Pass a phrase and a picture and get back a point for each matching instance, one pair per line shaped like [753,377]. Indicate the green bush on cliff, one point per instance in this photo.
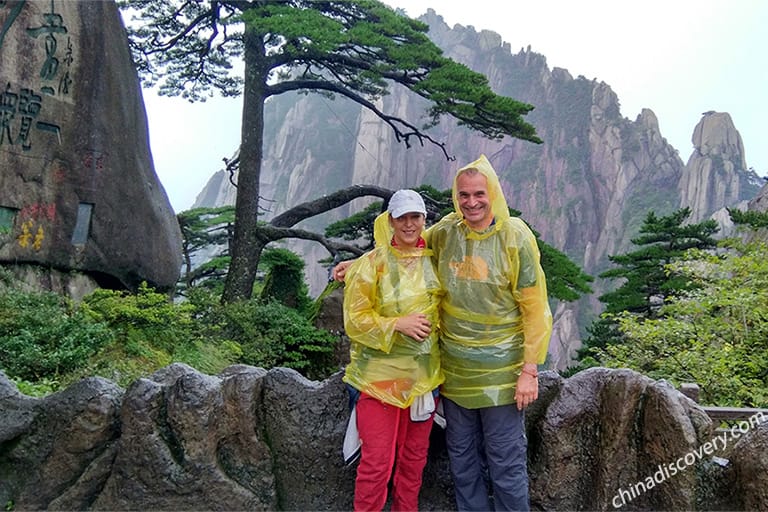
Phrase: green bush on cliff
[715,334]
[47,342]
[146,316]
[43,335]
[270,334]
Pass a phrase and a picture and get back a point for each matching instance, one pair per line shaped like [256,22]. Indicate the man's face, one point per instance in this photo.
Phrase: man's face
[472,192]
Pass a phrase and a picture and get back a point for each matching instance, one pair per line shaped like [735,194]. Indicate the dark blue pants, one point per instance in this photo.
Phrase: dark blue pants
[488,441]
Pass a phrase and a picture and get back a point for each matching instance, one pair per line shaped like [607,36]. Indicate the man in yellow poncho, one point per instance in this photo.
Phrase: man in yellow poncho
[495,326]
[390,315]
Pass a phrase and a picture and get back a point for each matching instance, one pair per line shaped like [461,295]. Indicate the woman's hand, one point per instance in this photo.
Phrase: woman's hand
[414,325]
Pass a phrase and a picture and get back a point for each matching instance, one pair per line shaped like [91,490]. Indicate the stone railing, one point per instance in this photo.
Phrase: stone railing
[271,440]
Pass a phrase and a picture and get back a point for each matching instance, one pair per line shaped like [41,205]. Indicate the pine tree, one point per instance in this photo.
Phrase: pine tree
[352,49]
[646,282]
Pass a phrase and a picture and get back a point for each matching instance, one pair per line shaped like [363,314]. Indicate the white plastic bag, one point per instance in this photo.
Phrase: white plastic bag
[352,443]
[422,407]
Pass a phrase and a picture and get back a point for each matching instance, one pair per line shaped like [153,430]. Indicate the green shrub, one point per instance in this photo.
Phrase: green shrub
[47,343]
[152,332]
[272,335]
[38,389]
[43,335]
[284,282]
[144,316]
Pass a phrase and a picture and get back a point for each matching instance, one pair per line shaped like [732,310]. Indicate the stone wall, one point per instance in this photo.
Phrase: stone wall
[271,440]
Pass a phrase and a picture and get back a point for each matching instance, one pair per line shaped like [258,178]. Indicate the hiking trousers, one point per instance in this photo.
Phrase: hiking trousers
[487,444]
[390,439]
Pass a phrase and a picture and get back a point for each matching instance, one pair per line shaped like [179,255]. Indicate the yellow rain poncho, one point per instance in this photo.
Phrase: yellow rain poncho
[495,314]
[381,286]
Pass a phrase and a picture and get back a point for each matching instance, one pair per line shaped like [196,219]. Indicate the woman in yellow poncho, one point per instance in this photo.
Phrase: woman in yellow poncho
[390,315]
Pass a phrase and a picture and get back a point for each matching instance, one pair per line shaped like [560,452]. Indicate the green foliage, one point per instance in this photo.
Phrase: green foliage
[366,45]
[600,333]
[122,362]
[646,280]
[272,334]
[47,342]
[209,356]
[206,228]
[43,335]
[715,334]
[565,280]
[210,274]
[6,278]
[150,332]
[156,21]
[439,202]
[145,315]
[284,282]
[585,362]
[202,227]
[661,240]
[38,388]
[456,90]
[358,226]
[750,218]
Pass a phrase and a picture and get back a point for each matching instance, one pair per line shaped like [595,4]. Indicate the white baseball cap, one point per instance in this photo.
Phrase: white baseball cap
[406,201]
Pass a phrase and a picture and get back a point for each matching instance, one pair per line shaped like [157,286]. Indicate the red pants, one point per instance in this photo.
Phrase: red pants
[389,439]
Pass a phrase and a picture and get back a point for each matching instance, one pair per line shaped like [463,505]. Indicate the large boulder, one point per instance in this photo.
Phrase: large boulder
[605,431]
[78,190]
[192,442]
[750,462]
[57,451]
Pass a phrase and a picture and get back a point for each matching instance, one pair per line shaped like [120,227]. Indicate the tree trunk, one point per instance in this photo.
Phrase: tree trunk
[246,246]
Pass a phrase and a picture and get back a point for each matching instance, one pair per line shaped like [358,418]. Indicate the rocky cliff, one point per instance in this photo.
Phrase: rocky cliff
[586,189]
[78,191]
[714,176]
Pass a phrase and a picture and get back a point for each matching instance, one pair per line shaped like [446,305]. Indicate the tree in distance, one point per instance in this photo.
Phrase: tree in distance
[645,281]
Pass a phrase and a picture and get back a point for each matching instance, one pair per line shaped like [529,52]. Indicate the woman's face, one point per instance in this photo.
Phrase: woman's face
[407,228]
